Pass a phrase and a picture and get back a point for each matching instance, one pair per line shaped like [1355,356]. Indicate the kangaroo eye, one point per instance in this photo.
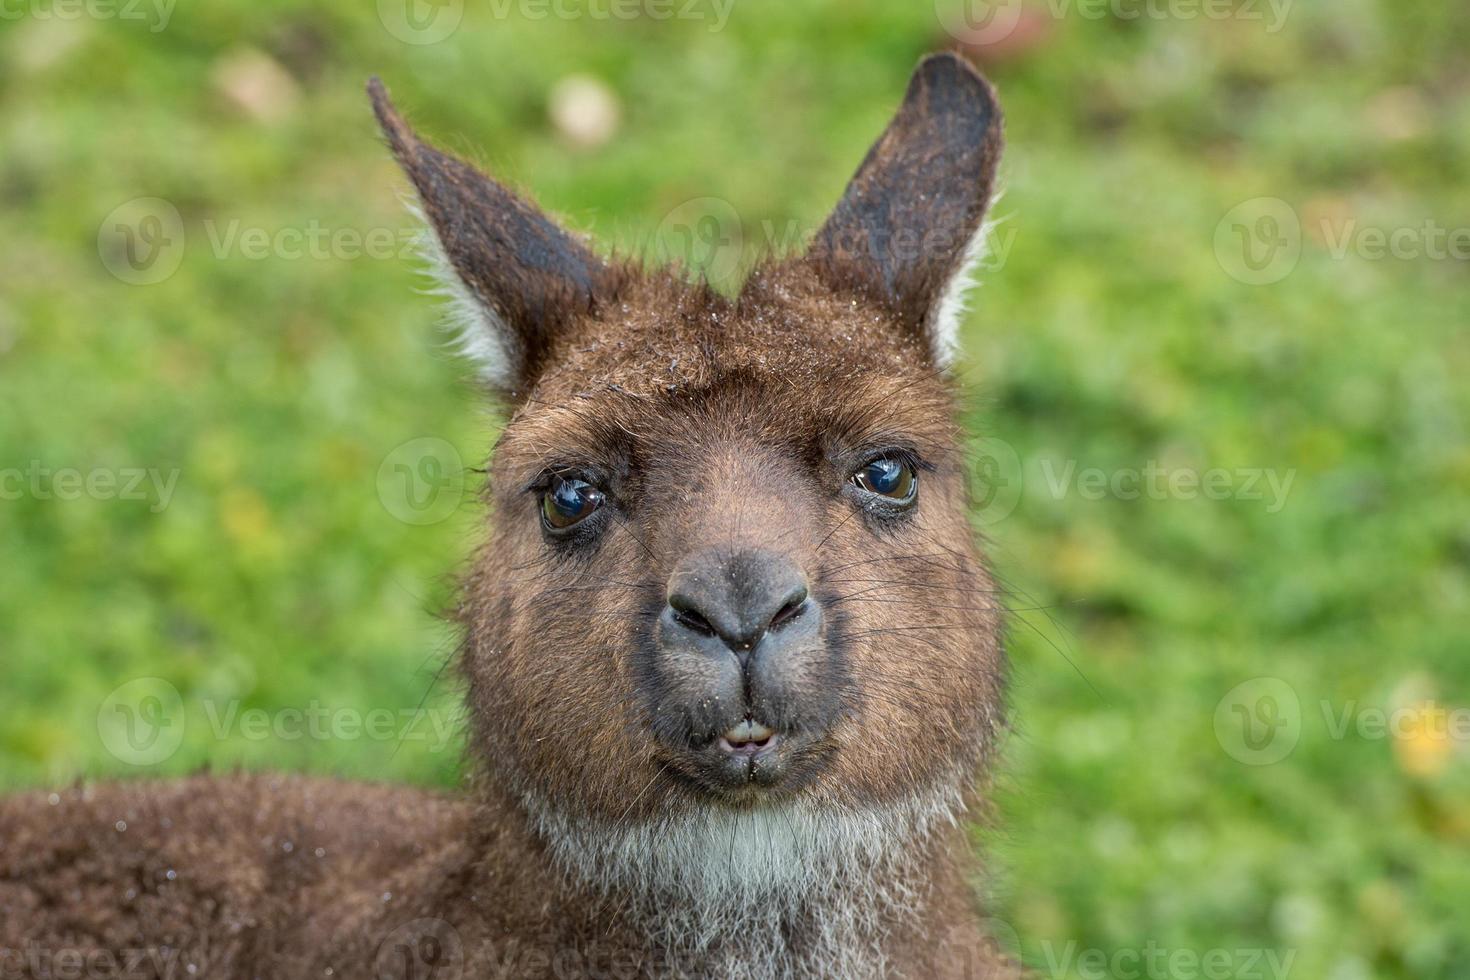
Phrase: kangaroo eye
[888,477]
[568,502]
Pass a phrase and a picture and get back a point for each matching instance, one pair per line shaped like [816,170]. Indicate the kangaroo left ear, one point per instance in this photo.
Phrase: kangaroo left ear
[516,280]
[910,226]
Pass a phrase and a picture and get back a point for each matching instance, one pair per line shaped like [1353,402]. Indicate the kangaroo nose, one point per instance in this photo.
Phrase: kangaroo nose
[738,598]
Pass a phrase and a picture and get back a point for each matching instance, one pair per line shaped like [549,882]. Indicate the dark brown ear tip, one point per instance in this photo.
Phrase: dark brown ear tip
[949,70]
[378,95]
[950,63]
[398,132]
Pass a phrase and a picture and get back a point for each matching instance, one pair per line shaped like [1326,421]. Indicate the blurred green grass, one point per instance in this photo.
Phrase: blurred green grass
[1109,336]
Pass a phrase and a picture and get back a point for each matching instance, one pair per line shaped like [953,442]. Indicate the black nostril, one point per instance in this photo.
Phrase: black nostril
[687,616]
[794,607]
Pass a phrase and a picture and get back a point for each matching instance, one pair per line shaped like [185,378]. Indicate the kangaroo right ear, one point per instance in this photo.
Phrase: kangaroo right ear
[910,227]
[515,279]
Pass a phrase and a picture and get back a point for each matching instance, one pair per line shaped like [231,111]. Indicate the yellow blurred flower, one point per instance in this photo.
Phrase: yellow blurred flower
[1422,740]
[249,525]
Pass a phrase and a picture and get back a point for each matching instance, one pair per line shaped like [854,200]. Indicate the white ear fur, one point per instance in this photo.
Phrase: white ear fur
[949,312]
[477,332]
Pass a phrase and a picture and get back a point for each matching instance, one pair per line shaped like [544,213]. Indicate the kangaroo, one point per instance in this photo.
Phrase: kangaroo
[732,654]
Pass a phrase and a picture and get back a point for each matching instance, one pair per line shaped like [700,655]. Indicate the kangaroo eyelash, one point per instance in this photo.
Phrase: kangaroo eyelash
[902,452]
[543,480]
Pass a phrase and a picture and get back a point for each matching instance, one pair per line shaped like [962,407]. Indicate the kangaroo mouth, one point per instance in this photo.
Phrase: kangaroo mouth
[750,762]
[750,738]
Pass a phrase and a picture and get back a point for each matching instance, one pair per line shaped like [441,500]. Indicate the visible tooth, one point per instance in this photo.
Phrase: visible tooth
[748,731]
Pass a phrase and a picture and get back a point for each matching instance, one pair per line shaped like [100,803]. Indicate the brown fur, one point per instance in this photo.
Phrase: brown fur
[712,422]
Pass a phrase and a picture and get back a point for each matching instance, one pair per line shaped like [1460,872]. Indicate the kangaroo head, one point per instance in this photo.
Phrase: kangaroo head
[730,570]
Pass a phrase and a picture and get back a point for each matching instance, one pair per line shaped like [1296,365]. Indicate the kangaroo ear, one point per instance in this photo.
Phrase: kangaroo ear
[910,226]
[514,278]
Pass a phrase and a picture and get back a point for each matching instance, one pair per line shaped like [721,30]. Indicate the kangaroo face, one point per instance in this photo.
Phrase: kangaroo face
[730,565]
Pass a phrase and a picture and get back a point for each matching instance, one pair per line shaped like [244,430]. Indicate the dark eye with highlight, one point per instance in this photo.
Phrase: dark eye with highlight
[890,477]
[568,502]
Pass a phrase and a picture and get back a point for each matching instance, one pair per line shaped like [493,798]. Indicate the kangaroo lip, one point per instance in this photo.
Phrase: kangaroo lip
[747,735]
[747,731]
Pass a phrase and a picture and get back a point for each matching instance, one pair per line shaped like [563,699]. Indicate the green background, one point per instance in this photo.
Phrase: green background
[1110,334]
